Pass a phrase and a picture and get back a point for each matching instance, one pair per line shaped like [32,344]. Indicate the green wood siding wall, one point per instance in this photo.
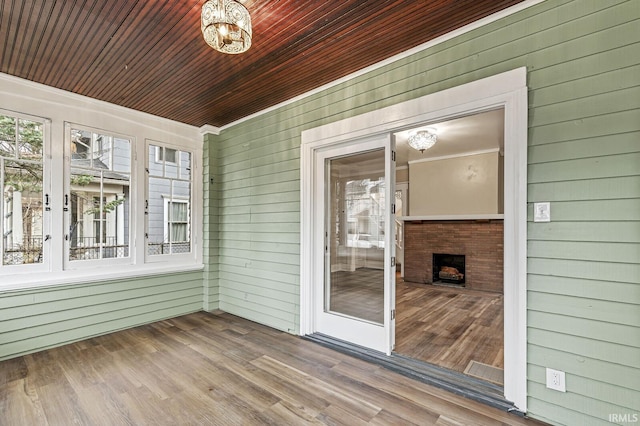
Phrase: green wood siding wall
[583,62]
[40,318]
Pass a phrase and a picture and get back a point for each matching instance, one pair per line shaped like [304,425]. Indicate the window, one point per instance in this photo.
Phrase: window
[22,181]
[176,221]
[99,187]
[168,204]
[75,209]
[165,154]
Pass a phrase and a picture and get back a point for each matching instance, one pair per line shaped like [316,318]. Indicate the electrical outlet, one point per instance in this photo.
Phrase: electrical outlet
[555,380]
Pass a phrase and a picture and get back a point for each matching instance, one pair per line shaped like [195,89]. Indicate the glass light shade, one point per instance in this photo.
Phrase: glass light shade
[226,26]
[423,139]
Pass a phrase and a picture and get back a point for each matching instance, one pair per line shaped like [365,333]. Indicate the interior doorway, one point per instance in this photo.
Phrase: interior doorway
[449,295]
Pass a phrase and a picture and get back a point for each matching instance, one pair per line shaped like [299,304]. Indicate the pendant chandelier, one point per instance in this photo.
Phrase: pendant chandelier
[226,26]
[423,139]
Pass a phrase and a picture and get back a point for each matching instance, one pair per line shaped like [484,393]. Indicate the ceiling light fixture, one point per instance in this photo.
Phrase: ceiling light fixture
[423,139]
[226,26]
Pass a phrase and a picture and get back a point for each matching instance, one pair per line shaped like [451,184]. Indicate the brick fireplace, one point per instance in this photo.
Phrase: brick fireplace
[481,243]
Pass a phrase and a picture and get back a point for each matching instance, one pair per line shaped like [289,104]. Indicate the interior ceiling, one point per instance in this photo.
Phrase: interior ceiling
[459,136]
[150,55]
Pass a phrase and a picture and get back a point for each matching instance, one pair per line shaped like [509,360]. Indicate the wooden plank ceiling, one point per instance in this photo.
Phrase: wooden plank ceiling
[149,55]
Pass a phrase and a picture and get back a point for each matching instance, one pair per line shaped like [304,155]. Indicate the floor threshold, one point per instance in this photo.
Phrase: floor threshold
[452,381]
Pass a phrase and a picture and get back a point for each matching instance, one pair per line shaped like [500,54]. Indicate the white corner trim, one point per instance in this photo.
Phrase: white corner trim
[443,38]
[209,129]
[463,154]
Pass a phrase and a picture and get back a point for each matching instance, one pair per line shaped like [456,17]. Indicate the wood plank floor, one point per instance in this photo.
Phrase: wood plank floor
[449,327]
[217,369]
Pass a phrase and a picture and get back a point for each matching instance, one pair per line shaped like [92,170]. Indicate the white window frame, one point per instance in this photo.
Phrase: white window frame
[46,191]
[75,264]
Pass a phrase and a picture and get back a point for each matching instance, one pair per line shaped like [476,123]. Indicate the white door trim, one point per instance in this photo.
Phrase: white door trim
[507,90]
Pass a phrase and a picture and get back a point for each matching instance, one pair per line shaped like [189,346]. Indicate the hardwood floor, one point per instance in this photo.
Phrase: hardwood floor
[449,327]
[217,369]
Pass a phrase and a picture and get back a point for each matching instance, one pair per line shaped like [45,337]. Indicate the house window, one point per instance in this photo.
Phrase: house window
[176,221]
[99,187]
[22,181]
[164,154]
[168,204]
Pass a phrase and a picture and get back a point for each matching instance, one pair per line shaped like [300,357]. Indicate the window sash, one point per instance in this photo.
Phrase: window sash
[23,184]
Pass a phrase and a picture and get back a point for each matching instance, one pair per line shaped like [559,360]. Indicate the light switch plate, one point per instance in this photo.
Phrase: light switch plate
[542,212]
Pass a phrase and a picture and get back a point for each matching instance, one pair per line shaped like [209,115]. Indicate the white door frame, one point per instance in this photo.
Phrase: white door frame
[507,90]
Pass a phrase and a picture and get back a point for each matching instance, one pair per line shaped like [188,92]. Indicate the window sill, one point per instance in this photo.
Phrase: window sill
[29,281]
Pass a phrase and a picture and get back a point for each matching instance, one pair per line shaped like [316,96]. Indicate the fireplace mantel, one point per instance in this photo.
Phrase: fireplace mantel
[452,217]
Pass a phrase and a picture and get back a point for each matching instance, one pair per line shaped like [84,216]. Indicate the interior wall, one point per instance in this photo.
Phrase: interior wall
[402,174]
[455,186]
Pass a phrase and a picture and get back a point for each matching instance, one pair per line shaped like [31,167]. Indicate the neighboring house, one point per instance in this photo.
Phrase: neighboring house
[582,269]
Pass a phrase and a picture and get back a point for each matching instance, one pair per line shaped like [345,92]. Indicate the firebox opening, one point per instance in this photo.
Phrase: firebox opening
[448,268]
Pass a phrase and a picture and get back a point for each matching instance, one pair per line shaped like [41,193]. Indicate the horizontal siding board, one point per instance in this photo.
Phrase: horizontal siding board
[620,57]
[589,329]
[603,351]
[263,228]
[601,271]
[258,265]
[553,413]
[261,256]
[588,388]
[586,127]
[590,289]
[588,106]
[588,251]
[258,274]
[594,210]
[278,302]
[586,168]
[623,232]
[621,376]
[30,296]
[592,309]
[584,411]
[587,189]
[589,86]
[44,312]
[285,238]
[262,287]
[277,319]
[55,322]
[85,331]
[623,143]
[258,218]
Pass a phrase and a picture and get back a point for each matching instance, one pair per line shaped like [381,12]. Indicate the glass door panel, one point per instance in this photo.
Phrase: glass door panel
[355,236]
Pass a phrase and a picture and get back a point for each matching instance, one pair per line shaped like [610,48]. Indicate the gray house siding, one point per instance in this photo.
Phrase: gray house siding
[583,63]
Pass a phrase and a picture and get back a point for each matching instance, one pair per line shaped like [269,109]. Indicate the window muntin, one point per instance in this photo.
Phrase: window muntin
[98,209]
[168,204]
[22,198]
